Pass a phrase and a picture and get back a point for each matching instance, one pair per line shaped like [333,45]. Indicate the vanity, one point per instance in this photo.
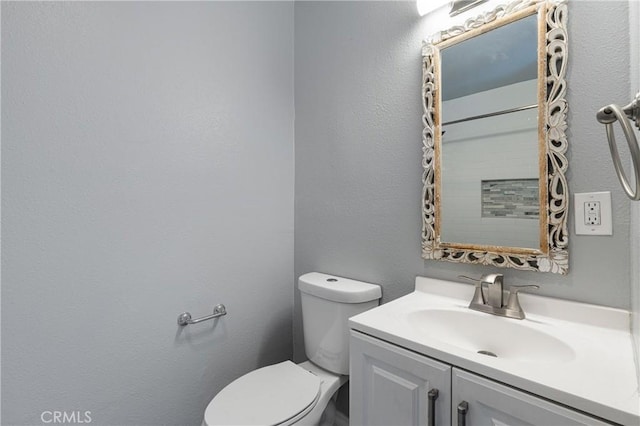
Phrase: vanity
[427,359]
[495,193]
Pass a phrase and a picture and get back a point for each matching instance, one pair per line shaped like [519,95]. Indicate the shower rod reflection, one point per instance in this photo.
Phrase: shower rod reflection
[491,114]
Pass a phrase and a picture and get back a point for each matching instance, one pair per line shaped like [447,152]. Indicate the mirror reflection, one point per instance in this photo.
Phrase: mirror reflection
[489,168]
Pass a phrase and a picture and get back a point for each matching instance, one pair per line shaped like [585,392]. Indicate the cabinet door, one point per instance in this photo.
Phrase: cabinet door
[491,403]
[390,385]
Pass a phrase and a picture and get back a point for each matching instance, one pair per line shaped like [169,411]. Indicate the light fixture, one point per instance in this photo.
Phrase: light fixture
[461,6]
[427,6]
[457,6]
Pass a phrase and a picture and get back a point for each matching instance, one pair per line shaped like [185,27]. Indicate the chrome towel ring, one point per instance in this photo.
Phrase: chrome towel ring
[609,115]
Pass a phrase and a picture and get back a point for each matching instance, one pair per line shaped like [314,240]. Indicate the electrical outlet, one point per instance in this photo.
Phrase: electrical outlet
[593,213]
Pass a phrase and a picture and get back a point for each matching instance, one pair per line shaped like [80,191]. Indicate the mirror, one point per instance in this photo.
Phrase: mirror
[494,143]
[489,120]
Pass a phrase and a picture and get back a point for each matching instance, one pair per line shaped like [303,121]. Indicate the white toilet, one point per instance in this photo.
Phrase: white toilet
[302,394]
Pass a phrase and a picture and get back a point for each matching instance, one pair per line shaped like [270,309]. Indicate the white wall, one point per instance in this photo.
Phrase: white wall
[358,148]
[147,169]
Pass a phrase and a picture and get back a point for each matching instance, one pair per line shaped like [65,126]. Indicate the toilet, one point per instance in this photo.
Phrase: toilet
[301,394]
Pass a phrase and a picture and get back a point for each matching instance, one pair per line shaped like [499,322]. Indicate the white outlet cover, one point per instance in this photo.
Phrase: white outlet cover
[606,223]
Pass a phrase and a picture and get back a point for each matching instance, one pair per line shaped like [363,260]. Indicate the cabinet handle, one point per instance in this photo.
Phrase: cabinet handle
[463,408]
[432,395]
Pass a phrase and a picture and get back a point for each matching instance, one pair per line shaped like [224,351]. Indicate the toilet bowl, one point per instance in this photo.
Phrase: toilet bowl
[280,394]
[301,394]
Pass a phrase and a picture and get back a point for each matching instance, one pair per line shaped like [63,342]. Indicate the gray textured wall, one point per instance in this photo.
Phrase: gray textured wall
[147,169]
[634,26]
[358,149]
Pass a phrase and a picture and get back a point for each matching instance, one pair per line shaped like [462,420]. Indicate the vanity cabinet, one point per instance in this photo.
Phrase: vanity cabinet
[492,403]
[391,385]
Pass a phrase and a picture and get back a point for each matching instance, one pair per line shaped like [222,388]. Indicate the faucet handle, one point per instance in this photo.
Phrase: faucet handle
[514,289]
[478,297]
[513,303]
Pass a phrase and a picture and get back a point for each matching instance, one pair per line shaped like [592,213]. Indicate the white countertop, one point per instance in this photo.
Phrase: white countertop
[599,377]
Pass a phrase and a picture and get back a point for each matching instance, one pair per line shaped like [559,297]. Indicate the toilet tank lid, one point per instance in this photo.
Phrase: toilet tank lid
[338,289]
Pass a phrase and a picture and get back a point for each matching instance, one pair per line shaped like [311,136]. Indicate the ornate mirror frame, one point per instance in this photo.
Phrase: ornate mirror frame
[552,256]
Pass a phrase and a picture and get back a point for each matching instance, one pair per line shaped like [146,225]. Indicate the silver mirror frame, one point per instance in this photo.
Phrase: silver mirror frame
[553,253]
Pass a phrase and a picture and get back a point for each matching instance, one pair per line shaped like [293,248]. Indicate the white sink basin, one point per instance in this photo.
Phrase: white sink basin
[489,335]
[576,354]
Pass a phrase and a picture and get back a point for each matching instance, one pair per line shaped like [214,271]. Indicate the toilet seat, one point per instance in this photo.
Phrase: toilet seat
[278,394]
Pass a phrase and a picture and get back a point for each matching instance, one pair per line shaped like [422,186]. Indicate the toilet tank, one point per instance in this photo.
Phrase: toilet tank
[327,303]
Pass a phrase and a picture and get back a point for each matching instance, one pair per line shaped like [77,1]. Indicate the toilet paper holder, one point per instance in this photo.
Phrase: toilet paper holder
[185,317]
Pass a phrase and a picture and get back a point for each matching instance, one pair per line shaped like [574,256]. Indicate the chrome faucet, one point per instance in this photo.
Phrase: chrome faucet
[492,301]
[494,289]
